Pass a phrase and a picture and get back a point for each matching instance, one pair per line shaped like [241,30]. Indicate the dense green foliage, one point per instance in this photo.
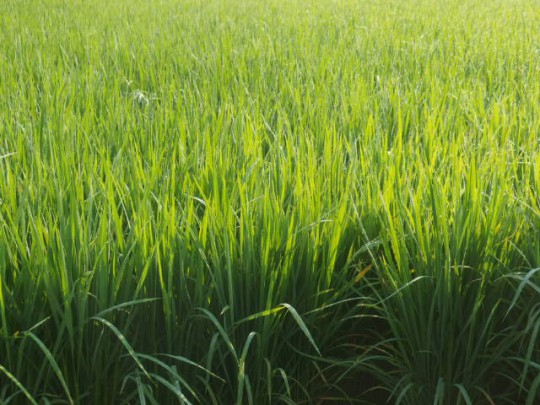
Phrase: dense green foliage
[269,202]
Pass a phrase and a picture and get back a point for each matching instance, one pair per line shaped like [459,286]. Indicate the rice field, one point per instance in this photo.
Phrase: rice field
[246,202]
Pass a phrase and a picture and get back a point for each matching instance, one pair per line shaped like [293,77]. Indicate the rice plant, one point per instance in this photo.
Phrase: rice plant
[243,202]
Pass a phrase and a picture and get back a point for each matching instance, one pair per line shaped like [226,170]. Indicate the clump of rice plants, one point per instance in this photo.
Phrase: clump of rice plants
[243,202]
